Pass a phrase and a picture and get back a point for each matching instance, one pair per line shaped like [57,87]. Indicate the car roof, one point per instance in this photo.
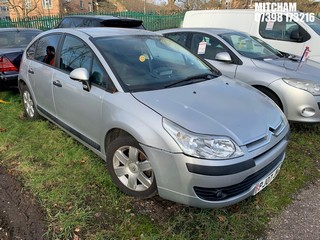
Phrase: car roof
[96,32]
[214,31]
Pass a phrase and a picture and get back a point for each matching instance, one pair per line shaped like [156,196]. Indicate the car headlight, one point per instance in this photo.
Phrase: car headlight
[202,146]
[306,85]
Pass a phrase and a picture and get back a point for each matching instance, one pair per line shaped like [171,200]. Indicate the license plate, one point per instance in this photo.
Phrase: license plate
[266,181]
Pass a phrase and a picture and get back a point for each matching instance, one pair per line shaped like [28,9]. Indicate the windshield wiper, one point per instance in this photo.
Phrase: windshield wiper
[192,79]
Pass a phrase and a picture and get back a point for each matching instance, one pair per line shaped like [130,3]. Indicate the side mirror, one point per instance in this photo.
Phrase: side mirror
[81,75]
[223,57]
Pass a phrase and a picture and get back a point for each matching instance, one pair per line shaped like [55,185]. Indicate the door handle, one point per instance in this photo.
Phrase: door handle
[31,71]
[57,83]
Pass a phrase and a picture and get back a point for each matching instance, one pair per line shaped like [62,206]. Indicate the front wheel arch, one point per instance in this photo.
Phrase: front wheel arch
[130,168]
[271,94]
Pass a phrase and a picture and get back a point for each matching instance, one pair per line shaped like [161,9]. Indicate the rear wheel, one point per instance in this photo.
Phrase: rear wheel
[130,168]
[28,104]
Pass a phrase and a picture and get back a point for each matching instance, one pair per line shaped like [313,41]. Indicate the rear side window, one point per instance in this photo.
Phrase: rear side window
[95,23]
[71,22]
[65,23]
[46,49]
[180,38]
[31,51]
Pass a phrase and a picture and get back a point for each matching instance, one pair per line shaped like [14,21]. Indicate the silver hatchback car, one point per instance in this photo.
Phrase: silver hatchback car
[293,85]
[162,119]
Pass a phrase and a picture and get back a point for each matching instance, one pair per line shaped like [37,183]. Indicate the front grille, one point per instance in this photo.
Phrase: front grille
[265,139]
[219,194]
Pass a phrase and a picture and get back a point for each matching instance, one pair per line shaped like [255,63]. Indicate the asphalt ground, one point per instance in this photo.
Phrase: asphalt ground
[301,219]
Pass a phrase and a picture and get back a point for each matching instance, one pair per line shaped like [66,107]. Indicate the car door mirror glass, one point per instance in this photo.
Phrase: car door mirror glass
[223,57]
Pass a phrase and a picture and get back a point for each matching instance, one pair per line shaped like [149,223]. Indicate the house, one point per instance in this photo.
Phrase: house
[4,11]
[32,8]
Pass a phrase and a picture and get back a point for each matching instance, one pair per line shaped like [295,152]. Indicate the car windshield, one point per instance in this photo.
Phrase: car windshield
[16,39]
[250,47]
[152,62]
[315,25]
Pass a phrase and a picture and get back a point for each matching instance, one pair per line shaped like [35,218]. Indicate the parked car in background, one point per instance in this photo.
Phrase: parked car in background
[161,118]
[293,85]
[99,21]
[12,43]
[289,32]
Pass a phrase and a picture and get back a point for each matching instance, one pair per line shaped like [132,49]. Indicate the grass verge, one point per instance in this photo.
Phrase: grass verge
[74,189]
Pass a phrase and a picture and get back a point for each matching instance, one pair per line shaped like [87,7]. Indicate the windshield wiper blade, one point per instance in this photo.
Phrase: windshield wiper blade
[192,79]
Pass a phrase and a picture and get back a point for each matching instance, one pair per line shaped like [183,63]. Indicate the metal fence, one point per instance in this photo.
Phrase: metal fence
[152,21]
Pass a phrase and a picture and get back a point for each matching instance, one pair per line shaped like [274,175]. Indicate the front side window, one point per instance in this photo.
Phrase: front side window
[75,54]
[206,46]
[47,4]
[282,30]
[152,62]
[248,46]
[98,75]
[180,37]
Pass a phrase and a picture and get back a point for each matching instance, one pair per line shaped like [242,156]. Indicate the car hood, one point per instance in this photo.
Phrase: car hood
[219,107]
[287,68]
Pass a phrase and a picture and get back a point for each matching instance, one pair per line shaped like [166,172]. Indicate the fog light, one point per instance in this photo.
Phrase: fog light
[308,112]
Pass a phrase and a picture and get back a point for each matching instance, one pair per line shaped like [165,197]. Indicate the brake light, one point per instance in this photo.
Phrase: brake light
[6,65]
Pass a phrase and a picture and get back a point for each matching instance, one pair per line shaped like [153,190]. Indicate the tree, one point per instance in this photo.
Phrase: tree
[22,8]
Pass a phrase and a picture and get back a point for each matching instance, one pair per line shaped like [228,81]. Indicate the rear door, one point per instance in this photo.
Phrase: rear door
[40,73]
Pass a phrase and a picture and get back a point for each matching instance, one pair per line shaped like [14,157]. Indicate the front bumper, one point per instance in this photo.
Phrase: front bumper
[298,105]
[179,183]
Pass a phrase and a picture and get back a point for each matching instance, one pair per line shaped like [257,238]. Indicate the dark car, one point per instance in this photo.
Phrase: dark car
[12,43]
[99,21]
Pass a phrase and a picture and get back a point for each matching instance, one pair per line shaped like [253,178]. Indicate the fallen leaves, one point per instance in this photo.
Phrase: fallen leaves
[2,101]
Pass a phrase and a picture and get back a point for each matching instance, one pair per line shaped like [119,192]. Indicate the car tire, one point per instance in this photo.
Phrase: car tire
[30,109]
[130,168]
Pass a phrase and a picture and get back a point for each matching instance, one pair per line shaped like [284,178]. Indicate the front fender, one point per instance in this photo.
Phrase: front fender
[138,120]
